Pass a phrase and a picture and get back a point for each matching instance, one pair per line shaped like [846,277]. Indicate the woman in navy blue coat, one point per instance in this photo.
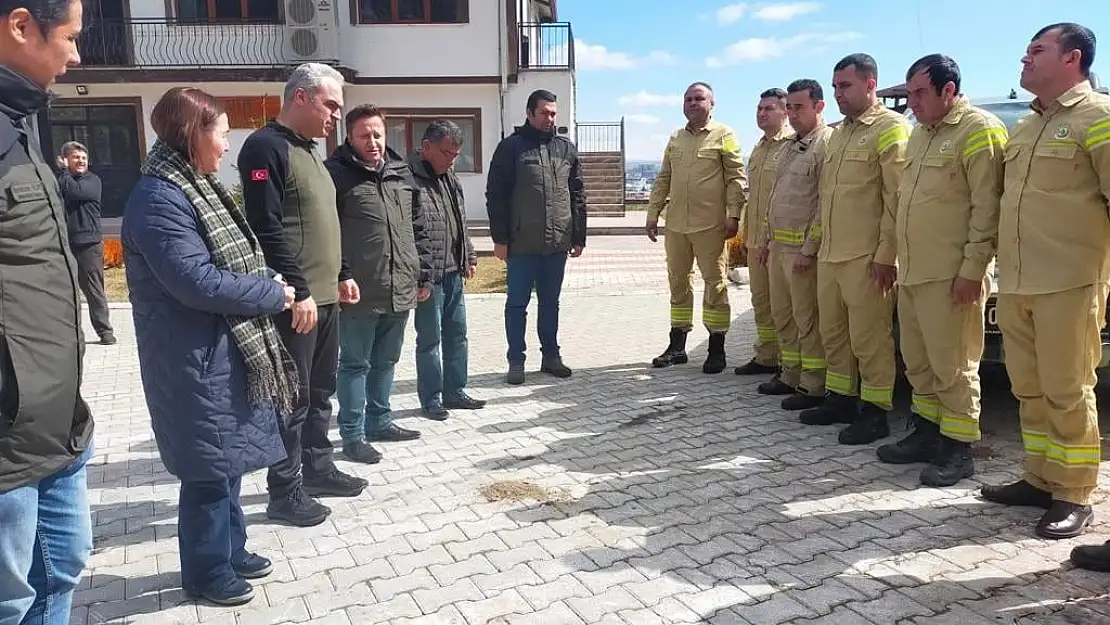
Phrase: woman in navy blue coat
[213,369]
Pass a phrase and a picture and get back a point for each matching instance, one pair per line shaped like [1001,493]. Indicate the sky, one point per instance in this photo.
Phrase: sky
[636,57]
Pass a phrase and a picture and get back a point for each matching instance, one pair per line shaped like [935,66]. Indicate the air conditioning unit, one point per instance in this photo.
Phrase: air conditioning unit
[311,31]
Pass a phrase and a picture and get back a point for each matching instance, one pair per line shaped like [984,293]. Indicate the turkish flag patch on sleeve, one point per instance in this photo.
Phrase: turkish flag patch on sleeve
[260,175]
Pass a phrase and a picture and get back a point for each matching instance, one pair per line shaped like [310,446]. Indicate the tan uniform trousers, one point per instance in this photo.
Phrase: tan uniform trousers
[856,325]
[1052,350]
[708,249]
[942,344]
[794,310]
[766,345]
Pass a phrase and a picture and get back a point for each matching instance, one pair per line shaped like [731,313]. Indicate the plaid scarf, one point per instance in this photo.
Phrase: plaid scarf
[271,372]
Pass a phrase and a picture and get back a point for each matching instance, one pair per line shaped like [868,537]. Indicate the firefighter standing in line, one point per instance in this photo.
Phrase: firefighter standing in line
[947,225]
[855,269]
[1053,234]
[763,165]
[789,240]
[703,175]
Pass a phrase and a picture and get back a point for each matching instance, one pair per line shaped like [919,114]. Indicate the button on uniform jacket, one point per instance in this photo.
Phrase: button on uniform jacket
[763,168]
[701,181]
[948,203]
[793,217]
[1053,229]
[859,186]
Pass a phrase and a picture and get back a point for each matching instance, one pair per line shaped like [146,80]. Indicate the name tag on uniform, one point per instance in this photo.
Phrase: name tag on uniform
[27,191]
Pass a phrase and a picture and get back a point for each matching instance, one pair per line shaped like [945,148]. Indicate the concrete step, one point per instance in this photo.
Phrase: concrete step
[600,159]
[604,196]
[604,209]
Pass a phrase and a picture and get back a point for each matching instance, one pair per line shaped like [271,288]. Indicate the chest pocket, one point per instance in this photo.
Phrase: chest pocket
[1055,167]
[27,222]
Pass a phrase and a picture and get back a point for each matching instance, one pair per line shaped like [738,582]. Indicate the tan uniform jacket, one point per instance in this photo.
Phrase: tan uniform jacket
[703,176]
[859,186]
[947,219]
[763,167]
[1053,230]
[792,220]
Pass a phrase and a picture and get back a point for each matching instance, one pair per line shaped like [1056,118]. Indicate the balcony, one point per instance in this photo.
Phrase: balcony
[180,43]
[546,46]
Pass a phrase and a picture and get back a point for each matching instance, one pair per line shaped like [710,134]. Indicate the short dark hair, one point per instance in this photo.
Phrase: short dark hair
[807,84]
[440,129]
[1075,37]
[773,92]
[537,96]
[700,84]
[865,65]
[940,69]
[360,112]
[47,13]
[69,147]
[182,114]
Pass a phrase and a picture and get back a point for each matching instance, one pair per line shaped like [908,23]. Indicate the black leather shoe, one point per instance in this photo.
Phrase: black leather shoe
[108,338]
[775,387]
[555,367]
[953,463]
[1092,557]
[362,452]
[1019,493]
[754,368]
[462,401]
[335,483]
[435,412]
[922,445]
[393,433]
[836,408]
[1064,520]
[801,401]
[869,426]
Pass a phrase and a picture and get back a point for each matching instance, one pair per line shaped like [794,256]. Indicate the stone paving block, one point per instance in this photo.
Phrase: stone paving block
[609,602]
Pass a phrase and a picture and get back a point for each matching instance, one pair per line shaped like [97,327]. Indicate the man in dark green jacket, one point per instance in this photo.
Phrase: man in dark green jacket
[537,215]
[45,426]
[440,320]
[382,244]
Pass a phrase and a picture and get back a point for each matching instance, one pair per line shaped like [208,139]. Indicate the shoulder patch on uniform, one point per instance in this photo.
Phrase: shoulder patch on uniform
[1098,135]
[730,144]
[260,175]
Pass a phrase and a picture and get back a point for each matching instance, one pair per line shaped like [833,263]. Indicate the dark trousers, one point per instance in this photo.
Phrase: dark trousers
[441,344]
[305,431]
[545,273]
[90,277]
[211,533]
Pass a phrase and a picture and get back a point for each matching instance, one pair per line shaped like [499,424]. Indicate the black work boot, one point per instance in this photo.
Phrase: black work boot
[675,354]
[1092,557]
[922,444]
[836,408]
[953,463]
[802,401]
[715,361]
[869,426]
[775,387]
[754,368]
[553,365]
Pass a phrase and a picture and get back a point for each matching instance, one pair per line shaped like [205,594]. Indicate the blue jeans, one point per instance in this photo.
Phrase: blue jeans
[545,273]
[440,320]
[369,348]
[211,533]
[45,541]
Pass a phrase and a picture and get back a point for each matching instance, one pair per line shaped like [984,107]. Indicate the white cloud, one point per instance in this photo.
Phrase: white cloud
[645,146]
[786,11]
[597,57]
[762,48]
[642,119]
[644,99]
[731,13]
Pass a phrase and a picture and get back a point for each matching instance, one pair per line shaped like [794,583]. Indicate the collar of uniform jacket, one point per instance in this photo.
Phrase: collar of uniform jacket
[786,132]
[959,109]
[1067,99]
[808,139]
[19,97]
[421,167]
[390,166]
[710,124]
[531,132]
[292,135]
[869,116]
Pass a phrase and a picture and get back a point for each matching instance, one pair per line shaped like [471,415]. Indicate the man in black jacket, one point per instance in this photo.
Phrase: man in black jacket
[45,426]
[440,320]
[383,243]
[80,189]
[290,204]
[537,214]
